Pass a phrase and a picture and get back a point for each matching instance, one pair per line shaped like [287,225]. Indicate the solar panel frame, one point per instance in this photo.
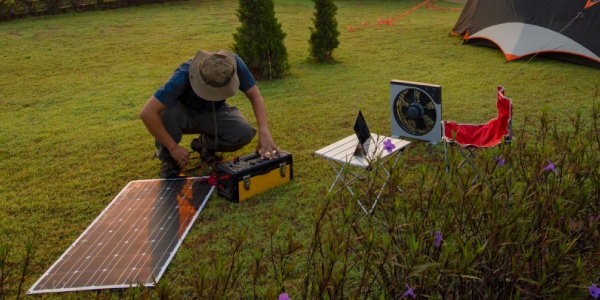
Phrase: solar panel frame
[171,200]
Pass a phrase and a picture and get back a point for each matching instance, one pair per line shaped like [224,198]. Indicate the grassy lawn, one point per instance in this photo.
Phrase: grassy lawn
[71,87]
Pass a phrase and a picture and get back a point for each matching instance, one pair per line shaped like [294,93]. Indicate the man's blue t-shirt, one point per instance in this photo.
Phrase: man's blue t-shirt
[178,87]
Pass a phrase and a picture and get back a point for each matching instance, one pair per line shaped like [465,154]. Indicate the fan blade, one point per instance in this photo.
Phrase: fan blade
[408,97]
[402,104]
[403,112]
[430,122]
[431,113]
[429,106]
[421,124]
[410,124]
[418,96]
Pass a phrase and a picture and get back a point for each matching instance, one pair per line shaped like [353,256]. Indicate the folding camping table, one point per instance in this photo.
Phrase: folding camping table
[341,155]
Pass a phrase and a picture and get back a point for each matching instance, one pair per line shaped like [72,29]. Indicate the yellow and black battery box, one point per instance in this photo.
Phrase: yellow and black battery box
[244,177]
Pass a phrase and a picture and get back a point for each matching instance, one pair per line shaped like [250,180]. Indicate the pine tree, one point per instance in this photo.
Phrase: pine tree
[259,39]
[324,35]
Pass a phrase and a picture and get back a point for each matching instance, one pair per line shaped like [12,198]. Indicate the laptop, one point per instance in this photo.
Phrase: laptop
[365,142]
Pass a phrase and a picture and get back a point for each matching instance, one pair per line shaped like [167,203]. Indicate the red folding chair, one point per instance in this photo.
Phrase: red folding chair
[470,137]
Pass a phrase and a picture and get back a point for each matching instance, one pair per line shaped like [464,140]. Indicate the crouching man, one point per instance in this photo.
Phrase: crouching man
[193,101]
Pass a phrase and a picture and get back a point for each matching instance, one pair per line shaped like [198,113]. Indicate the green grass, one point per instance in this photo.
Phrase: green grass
[71,87]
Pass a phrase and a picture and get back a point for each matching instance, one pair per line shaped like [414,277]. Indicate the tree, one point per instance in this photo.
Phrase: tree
[259,39]
[324,35]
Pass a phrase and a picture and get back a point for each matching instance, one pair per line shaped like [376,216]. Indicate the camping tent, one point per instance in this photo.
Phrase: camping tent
[568,30]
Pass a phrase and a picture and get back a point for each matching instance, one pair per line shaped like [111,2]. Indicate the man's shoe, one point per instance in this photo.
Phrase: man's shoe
[207,155]
[169,168]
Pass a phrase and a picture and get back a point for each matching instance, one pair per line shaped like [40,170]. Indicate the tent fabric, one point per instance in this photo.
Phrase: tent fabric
[464,20]
[591,2]
[482,135]
[559,29]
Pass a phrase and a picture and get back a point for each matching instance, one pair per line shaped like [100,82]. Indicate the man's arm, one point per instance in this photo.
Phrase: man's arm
[150,115]
[265,140]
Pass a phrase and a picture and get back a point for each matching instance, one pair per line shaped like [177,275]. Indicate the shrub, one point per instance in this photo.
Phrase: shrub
[7,8]
[26,5]
[324,36]
[52,6]
[10,9]
[259,39]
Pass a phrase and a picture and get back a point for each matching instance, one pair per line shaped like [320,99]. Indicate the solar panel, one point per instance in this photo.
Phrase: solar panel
[132,241]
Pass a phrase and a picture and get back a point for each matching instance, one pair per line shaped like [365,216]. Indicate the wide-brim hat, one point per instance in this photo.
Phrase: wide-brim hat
[213,76]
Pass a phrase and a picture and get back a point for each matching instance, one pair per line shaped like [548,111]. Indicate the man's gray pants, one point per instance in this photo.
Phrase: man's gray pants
[232,131]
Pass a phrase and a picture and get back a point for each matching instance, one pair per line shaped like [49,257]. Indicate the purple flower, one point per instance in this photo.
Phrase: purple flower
[549,167]
[500,160]
[594,217]
[410,292]
[388,145]
[284,296]
[595,291]
[438,239]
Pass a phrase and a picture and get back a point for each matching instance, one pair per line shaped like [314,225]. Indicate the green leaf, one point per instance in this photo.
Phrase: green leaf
[529,280]
[422,267]
[471,277]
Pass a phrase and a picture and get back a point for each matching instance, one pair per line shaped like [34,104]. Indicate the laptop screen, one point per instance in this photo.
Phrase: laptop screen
[361,129]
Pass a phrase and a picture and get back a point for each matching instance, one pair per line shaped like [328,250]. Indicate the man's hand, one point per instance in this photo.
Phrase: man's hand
[181,155]
[266,147]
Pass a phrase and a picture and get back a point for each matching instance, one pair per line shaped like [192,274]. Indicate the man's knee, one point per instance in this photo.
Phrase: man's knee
[237,139]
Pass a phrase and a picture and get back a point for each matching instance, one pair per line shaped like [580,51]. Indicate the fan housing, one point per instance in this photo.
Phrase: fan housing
[416,110]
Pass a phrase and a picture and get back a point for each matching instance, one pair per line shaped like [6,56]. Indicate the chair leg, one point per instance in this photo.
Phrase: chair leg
[468,155]
[446,156]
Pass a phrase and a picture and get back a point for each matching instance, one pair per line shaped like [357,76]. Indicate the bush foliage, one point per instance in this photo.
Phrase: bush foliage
[324,35]
[12,9]
[259,39]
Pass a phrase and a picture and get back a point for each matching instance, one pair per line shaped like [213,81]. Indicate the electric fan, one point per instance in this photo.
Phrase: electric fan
[416,110]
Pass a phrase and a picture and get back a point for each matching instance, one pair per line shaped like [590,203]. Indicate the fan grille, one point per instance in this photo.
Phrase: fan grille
[414,111]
